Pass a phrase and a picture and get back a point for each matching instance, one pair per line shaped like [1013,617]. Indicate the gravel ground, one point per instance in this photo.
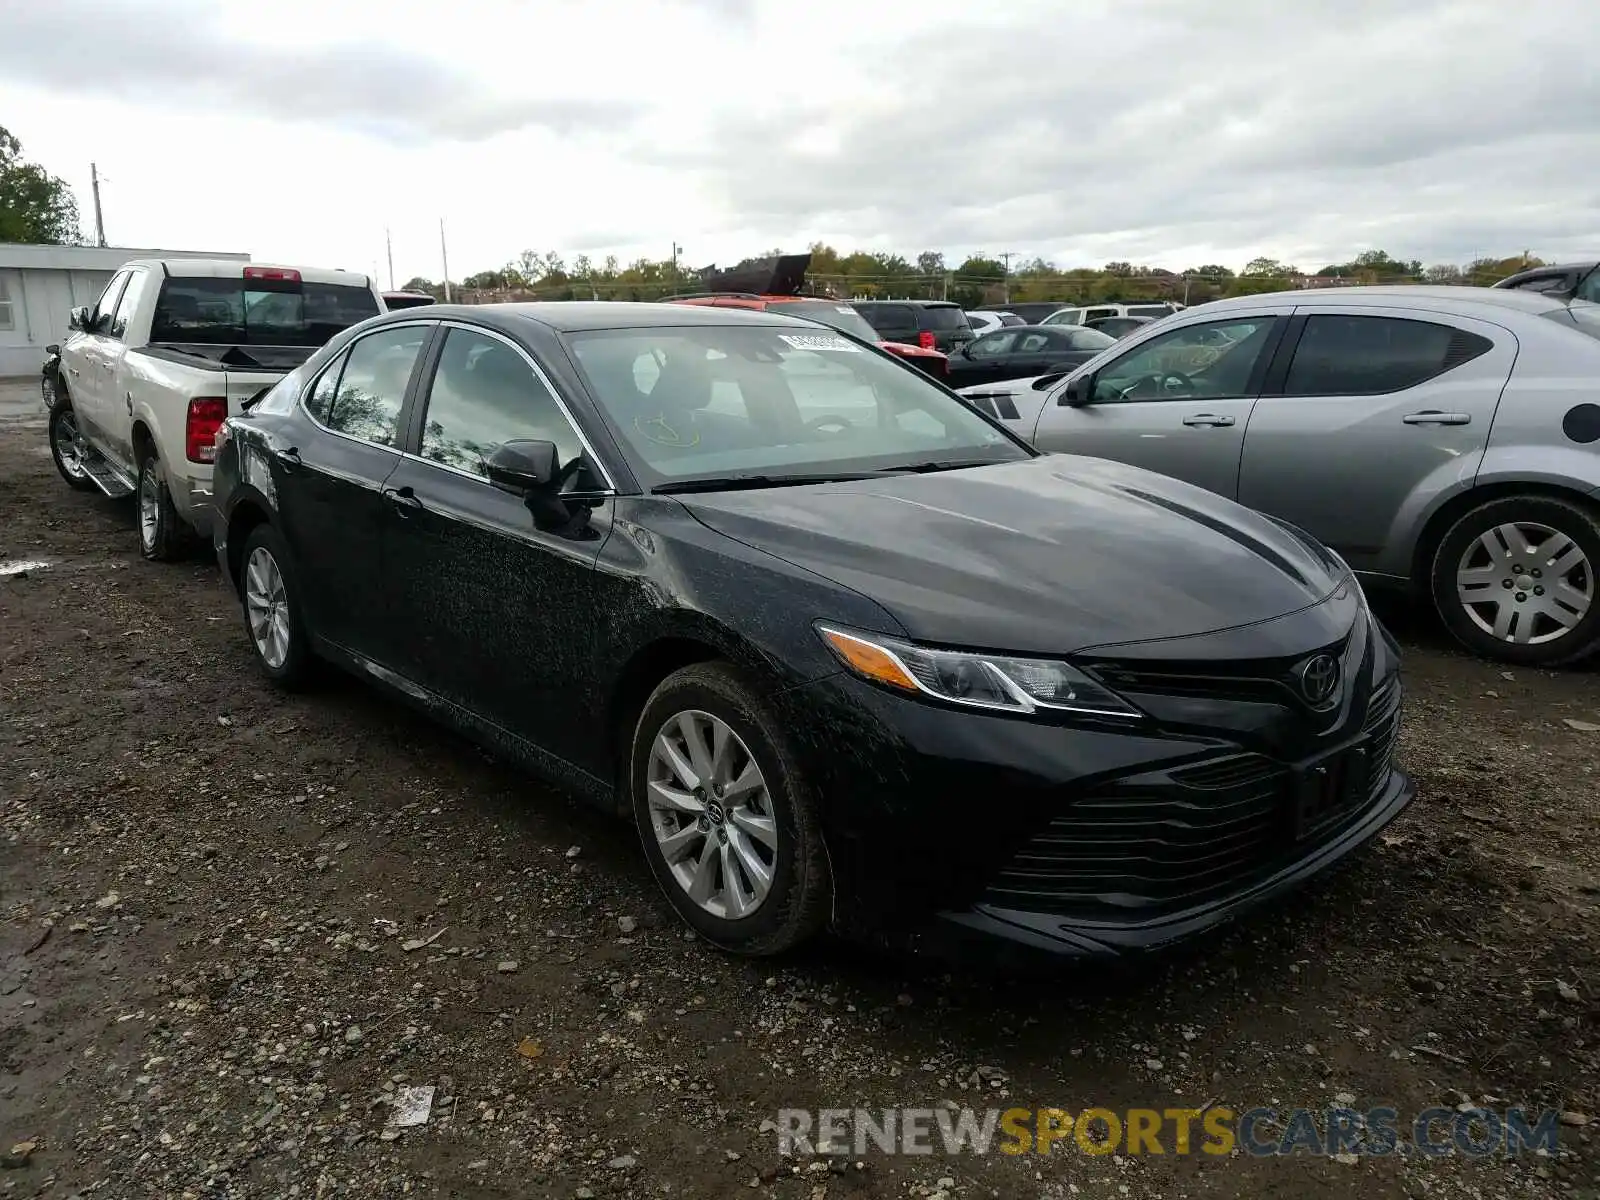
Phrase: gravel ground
[233,924]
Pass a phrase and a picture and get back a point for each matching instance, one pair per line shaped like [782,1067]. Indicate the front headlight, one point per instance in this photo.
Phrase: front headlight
[993,681]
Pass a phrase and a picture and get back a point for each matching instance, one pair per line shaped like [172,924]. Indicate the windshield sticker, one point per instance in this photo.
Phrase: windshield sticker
[819,341]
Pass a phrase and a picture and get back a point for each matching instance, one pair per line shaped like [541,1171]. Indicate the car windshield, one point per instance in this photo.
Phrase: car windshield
[257,312]
[703,402]
[828,312]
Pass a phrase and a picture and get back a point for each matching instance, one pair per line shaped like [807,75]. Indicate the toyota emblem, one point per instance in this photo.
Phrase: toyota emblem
[1319,679]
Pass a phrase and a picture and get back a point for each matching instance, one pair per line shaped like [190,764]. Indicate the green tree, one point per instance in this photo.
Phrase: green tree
[35,206]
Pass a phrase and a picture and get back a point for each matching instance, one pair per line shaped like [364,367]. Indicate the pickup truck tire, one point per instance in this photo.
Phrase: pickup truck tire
[64,450]
[163,537]
[270,601]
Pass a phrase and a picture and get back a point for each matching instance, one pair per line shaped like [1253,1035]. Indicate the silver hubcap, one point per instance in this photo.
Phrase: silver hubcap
[1525,582]
[149,505]
[66,438]
[712,814]
[266,606]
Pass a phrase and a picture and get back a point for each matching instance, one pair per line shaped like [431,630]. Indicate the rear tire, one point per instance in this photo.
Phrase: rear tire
[163,537]
[64,450]
[741,856]
[1515,580]
[270,600]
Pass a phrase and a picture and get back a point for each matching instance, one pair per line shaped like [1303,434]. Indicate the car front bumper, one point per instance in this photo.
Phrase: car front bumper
[951,828]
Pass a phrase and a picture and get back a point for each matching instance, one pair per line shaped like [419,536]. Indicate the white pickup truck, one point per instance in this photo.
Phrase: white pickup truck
[168,352]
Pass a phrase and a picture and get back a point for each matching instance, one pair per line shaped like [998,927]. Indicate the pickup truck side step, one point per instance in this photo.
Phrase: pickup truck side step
[108,478]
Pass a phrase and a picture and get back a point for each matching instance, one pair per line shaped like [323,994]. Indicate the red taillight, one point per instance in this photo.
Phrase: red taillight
[272,273]
[925,339]
[206,415]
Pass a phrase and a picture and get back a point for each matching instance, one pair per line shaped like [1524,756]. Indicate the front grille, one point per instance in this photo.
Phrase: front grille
[1169,839]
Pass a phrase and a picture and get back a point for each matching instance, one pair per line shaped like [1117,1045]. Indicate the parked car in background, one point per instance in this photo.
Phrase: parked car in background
[394,300]
[833,314]
[794,607]
[931,324]
[774,283]
[987,322]
[1031,312]
[1438,437]
[1027,350]
[169,350]
[1568,281]
[1118,327]
[1083,314]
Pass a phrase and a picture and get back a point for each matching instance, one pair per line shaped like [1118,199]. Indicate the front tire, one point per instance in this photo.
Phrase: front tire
[271,605]
[1514,580]
[728,821]
[66,451]
[163,537]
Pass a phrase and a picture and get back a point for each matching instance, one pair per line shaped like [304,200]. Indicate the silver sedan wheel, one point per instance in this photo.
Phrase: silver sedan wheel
[1525,582]
[712,814]
[149,506]
[66,439]
[266,606]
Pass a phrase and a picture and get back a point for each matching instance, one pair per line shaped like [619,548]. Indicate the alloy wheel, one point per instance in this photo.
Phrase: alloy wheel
[266,605]
[712,814]
[66,443]
[149,506]
[1525,582]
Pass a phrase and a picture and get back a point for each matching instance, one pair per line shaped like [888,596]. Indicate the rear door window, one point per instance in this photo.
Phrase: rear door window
[138,286]
[1347,355]
[372,386]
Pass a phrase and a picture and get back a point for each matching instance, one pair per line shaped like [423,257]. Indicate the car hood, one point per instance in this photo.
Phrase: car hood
[1045,556]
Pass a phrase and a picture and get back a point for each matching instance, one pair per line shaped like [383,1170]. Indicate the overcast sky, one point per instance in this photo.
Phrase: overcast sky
[1168,132]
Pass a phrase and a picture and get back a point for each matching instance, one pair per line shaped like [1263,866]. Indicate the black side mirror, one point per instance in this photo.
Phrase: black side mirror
[1079,392]
[79,318]
[521,467]
[53,349]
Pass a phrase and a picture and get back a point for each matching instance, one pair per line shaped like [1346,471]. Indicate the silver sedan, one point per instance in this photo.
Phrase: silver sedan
[1442,438]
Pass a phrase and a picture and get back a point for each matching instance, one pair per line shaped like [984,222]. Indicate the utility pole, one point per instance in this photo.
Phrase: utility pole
[444,255]
[99,221]
[388,244]
[676,250]
[1005,283]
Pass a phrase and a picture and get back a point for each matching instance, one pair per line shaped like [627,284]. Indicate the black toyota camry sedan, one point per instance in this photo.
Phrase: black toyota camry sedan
[848,652]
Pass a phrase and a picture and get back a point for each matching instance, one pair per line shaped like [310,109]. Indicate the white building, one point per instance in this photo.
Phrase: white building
[41,285]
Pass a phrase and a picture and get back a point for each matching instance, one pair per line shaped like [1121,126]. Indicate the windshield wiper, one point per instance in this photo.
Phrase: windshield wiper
[730,483]
[924,468]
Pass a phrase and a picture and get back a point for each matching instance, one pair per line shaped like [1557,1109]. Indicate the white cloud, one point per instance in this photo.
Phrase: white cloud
[1163,131]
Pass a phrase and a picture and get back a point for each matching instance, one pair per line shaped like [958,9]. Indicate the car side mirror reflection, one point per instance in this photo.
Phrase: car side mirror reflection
[79,317]
[521,467]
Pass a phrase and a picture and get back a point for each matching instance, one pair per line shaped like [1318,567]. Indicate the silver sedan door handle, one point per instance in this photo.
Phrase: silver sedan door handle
[1210,419]
[1434,417]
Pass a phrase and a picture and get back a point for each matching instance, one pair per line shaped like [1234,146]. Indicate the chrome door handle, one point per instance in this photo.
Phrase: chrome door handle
[1207,419]
[403,498]
[1435,417]
[105,366]
[73,371]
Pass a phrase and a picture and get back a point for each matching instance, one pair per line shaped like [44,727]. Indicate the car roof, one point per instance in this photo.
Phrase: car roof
[914,303]
[1426,296]
[579,316]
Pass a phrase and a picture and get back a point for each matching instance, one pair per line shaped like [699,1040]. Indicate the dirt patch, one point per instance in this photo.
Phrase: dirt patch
[207,891]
